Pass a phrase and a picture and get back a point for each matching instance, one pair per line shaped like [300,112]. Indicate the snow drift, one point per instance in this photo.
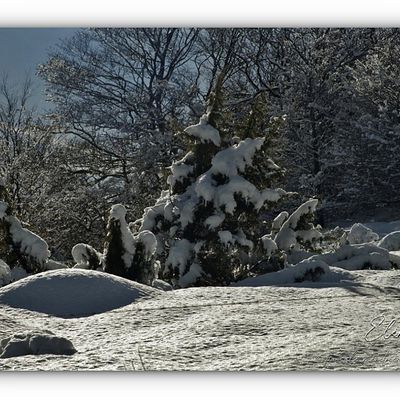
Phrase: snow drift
[391,241]
[69,293]
[306,271]
[35,343]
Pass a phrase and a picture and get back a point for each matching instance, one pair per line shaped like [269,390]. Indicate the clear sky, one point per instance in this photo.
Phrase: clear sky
[22,49]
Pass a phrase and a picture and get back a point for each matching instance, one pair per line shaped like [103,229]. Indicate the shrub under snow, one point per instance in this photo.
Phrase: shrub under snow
[297,230]
[359,233]
[305,271]
[28,249]
[128,255]
[86,257]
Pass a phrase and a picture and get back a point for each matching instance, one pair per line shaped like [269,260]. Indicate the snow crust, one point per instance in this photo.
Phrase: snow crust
[73,292]
[162,285]
[225,329]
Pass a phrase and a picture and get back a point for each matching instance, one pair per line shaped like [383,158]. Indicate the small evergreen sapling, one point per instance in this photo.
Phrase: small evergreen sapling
[127,255]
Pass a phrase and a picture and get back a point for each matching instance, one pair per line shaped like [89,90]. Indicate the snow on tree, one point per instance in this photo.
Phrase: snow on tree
[18,245]
[298,230]
[207,224]
[86,257]
[128,255]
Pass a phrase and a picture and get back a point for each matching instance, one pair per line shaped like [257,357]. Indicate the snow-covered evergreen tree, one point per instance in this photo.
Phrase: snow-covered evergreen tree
[207,224]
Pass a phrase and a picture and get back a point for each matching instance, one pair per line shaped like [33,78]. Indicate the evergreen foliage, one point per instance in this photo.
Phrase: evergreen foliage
[208,223]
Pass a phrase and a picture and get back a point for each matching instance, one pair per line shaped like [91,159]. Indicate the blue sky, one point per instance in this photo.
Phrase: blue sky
[22,49]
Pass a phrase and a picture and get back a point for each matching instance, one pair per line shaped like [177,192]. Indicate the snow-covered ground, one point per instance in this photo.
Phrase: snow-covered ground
[322,326]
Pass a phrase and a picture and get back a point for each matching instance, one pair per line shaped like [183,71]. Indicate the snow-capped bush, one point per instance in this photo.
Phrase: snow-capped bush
[278,222]
[361,234]
[391,241]
[86,257]
[24,247]
[357,256]
[27,242]
[297,230]
[305,271]
[127,255]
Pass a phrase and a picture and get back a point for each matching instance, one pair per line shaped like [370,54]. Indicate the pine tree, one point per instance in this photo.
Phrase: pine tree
[208,223]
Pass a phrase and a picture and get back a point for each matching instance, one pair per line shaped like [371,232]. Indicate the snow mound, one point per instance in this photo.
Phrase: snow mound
[69,293]
[391,241]
[35,343]
[359,233]
[305,271]
[357,256]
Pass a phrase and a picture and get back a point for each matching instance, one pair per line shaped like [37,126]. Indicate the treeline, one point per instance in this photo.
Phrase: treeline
[120,98]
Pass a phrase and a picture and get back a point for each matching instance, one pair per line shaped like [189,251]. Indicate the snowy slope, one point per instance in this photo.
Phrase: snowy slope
[214,328]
